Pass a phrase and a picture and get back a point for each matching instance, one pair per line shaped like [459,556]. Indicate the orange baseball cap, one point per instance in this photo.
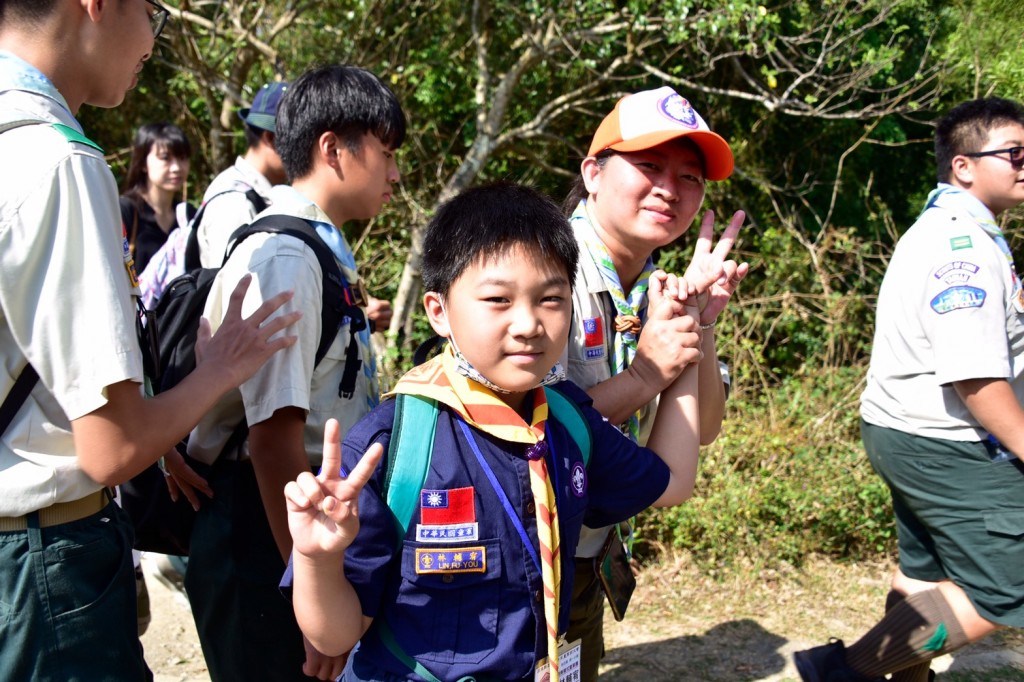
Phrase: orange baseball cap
[646,119]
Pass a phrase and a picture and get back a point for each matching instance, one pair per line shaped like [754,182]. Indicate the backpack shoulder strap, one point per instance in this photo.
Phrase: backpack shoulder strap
[331,312]
[412,442]
[192,261]
[569,415]
[28,377]
[259,204]
[23,385]
[72,135]
[69,133]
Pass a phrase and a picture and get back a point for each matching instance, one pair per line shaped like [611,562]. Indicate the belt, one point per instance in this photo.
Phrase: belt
[56,514]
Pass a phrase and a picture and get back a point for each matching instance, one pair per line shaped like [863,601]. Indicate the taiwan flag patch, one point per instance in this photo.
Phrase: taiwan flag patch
[447,515]
[593,338]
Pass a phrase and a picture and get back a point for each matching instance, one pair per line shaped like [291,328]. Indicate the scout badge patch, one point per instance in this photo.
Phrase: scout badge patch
[446,516]
[593,338]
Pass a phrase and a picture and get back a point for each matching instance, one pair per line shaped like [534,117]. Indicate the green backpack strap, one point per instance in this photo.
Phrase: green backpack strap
[567,413]
[72,135]
[69,133]
[412,440]
[388,637]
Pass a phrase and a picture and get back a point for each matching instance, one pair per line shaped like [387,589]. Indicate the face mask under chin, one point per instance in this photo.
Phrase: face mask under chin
[464,367]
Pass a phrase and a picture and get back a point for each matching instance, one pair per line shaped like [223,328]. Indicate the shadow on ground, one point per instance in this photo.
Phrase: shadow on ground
[744,651]
[734,650]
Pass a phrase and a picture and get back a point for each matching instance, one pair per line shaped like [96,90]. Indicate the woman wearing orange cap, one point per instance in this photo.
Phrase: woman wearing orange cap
[640,188]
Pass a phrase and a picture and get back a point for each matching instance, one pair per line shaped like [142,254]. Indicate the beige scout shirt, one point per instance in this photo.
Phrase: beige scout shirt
[288,379]
[65,298]
[227,210]
[945,314]
[588,358]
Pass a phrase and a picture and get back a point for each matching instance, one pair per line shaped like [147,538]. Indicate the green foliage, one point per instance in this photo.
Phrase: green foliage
[827,105]
[787,478]
[984,49]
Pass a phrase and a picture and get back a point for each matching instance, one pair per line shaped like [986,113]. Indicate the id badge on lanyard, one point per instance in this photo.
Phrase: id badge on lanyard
[568,663]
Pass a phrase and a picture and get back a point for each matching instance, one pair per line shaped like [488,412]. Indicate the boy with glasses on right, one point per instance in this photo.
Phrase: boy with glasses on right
[942,417]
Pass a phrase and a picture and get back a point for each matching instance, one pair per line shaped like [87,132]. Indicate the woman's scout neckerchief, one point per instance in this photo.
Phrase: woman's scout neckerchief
[631,308]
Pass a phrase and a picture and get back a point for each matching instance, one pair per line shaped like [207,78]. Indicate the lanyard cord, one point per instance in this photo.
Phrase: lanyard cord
[509,510]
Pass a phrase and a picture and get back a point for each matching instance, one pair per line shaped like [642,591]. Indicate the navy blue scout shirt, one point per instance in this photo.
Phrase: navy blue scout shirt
[465,597]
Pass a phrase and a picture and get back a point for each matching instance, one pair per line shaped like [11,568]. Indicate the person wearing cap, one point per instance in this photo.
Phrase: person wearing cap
[229,202]
[640,188]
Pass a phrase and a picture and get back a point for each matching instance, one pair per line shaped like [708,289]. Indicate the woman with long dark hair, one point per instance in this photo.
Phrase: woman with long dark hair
[156,178]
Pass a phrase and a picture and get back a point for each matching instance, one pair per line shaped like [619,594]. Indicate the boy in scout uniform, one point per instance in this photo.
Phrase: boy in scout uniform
[477,586]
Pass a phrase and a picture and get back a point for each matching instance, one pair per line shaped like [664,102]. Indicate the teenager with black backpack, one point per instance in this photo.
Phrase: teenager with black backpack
[337,131]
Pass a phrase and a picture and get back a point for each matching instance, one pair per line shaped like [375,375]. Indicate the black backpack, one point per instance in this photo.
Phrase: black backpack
[192,245]
[162,525]
[173,325]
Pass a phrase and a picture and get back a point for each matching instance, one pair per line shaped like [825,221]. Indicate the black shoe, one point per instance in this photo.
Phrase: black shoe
[827,663]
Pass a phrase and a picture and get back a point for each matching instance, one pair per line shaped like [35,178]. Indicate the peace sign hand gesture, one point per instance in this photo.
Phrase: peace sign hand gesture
[323,510]
[713,276]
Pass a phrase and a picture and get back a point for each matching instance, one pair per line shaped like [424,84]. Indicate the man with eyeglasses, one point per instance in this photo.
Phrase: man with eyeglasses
[942,416]
[74,420]
[157,18]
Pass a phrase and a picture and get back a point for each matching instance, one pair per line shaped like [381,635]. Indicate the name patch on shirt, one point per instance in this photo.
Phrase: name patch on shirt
[447,515]
[448,560]
[956,272]
[593,338]
[962,242]
[958,298]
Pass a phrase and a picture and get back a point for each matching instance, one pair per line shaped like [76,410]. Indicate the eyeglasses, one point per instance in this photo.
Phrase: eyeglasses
[158,19]
[1016,155]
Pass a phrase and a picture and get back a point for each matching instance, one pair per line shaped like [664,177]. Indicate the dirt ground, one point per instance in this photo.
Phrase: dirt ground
[684,625]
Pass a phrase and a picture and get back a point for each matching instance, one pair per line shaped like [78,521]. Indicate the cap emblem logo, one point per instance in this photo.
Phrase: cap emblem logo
[679,110]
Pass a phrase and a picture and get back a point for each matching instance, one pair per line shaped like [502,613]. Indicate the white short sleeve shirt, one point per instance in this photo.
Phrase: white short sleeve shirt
[946,313]
[66,301]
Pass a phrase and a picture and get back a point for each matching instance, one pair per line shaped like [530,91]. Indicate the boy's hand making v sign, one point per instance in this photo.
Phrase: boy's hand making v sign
[323,510]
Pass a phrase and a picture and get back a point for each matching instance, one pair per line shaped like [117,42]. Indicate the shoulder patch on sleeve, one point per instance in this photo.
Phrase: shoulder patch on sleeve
[957,272]
[958,298]
[961,242]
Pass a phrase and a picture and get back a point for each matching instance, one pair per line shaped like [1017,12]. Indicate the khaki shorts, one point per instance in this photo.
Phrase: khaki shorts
[959,515]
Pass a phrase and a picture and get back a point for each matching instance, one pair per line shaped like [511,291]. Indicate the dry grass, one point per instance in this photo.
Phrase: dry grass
[687,626]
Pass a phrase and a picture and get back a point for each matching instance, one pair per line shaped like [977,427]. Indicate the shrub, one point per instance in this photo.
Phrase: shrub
[786,478]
